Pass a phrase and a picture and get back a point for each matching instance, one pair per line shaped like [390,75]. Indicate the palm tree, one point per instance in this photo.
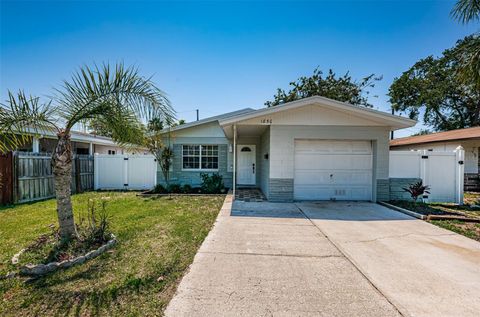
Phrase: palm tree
[466,11]
[118,97]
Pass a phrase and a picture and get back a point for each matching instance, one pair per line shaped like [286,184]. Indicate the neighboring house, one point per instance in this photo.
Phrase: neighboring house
[468,138]
[312,149]
[82,143]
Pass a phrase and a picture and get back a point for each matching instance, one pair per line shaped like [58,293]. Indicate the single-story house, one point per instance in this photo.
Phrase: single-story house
[311,149]
[468,138]
[82,143]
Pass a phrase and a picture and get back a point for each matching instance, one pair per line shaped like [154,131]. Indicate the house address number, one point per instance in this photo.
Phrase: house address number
[266,120]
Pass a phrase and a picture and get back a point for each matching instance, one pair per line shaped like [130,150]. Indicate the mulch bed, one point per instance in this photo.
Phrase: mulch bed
[423,208]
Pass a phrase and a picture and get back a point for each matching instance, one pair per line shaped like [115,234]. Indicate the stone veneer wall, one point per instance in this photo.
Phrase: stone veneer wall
[280,189]
[383,189]
[181,177]
[397,185]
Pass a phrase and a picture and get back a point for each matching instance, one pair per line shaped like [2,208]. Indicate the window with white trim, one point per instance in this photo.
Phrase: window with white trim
[200,157]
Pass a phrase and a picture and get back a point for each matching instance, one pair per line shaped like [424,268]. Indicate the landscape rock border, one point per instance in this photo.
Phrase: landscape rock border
[43,269]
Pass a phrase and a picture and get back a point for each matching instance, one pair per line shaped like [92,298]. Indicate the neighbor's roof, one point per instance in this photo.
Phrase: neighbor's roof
[76,136]
[394,121]
[211,119]
[460,134]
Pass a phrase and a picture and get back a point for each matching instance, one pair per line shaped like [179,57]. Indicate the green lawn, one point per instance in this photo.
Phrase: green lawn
[468,229]
[158,239]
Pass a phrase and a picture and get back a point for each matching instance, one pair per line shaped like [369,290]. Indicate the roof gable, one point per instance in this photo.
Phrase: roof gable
[313,114]
[374,116]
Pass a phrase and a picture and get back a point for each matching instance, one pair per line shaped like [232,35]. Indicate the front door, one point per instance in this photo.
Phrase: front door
[246,167]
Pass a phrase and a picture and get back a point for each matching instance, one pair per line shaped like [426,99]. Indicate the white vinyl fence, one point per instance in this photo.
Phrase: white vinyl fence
[442,171]
[135,172]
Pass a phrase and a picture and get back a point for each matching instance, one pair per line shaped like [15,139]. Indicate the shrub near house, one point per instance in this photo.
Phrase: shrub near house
[211,184]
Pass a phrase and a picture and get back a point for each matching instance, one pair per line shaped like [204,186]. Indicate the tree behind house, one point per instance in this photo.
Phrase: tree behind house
[432,89]
[341,88]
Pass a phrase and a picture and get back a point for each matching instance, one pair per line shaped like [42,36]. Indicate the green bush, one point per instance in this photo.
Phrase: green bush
[174,189]
[186,189]
[212,184]
[159,189]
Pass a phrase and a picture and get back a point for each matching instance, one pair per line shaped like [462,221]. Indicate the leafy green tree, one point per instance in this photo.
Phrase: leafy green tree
[155,125]
[422,132]
[179,122]
[157,141]
[431,87]
[341,88]
[98,127]
[118,97]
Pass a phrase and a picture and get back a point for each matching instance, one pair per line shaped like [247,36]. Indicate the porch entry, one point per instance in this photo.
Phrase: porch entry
[246,164]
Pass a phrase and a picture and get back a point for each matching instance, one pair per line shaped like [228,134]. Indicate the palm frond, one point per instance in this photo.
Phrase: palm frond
[469,58]
[21,117]
[466,11]
[118,95]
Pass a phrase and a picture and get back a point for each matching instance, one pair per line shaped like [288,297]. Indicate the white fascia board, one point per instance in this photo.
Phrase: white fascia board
[208,120]
[394,121]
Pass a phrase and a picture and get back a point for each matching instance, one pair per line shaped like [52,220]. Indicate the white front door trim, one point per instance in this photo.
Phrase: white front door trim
[246,164]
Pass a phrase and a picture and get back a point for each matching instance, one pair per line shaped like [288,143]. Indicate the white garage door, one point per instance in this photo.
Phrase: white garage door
[328,169]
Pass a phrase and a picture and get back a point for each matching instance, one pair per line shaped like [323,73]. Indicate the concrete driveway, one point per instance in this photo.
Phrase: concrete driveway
[328,259]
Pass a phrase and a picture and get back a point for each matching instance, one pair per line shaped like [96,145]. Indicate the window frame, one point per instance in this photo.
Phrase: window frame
[200,148]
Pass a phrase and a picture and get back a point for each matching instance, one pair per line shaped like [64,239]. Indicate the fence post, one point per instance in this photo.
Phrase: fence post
[459,173]
[78,183]
[125,172]
[423,166]
[16,166]
[95,171]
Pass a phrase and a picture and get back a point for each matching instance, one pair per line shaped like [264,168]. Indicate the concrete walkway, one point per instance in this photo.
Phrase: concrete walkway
[328,259]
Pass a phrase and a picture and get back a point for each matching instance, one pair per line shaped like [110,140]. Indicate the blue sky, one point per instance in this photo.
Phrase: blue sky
[221,56]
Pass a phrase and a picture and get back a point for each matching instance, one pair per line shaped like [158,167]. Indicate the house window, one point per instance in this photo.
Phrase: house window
[200,157]
[209,157]
[111,152]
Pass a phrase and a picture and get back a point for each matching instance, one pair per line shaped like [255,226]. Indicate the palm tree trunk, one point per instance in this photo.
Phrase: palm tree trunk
[62,171]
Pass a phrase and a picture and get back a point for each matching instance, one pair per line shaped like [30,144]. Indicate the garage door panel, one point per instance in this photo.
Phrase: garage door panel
[312,177]
[306,192]
[347,178]
[311,161]
[326,169]
[336,178]
[333,147]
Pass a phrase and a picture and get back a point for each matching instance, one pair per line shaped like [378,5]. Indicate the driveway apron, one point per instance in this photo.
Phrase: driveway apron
[267,259]
[422,269]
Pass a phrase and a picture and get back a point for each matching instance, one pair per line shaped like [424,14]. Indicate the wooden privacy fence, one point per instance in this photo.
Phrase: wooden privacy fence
[33,176]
